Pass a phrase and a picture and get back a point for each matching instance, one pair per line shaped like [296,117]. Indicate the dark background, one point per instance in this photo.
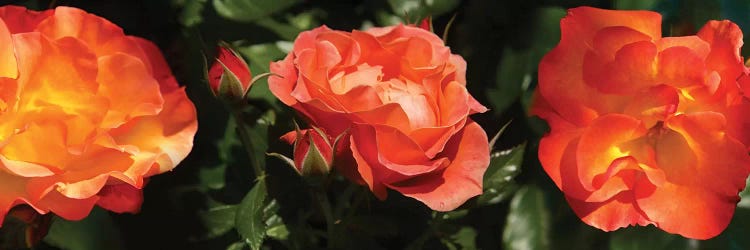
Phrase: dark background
[502,41]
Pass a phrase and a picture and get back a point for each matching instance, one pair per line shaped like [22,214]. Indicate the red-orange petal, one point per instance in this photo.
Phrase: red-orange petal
[600,145]
[120,198]
[716,157]
[365,152]
[24,20]
[462,179]
[617,212]
[8,64]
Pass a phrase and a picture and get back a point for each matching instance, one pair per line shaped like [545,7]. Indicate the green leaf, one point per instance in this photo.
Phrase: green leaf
[419,9]
[386,18]
[527,226]
[285,31]
[464,238]
[306,20]
[219,220]
[650,237]
[634,4]
[250,10]
[276,228]
[96,231]
[190,11]
[249,217]
[259,137]
[278,232]
[237,246]
[513,78]
[213,177]
[498,179]
[455,214]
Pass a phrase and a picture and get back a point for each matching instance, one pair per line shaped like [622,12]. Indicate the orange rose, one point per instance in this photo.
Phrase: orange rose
[645,129]
[402,95]
[86,113]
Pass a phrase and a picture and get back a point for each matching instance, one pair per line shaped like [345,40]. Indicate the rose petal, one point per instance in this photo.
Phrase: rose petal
[617,212]
[364,153]
[68,208]
[462,179]
[168,134]
[24,20]
[124,81]
[717,157]
[8,65]
[600,145]
[14,192]
[94,31]
[120,198]
[680,67]
[282,85]
[653,105]
[560,78]
[159,66]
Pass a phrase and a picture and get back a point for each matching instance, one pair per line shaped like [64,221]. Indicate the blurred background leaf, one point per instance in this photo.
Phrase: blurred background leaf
[528,220]
[95,232]
[250,10]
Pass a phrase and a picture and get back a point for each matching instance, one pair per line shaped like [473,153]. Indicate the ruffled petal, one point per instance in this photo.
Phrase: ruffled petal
[696,151]
[120,198]
[461,180]
[617,212]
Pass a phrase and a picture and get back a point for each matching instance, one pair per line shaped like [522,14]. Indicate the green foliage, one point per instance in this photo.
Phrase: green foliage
[219,220]
[513,78]
[517,68]
[498,179]
[419,9]
[250,10]
[528,221]
[464,238]
[634,4]
[249,217]
[190,11]
[650,237]
[95,232]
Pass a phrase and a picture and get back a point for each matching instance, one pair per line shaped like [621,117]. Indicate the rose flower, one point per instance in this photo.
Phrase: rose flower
[644,129]
[86,113]
[401,96]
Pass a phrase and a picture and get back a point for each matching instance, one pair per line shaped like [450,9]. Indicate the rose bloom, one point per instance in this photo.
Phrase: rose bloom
[644,129]
[86,113]
[401,95]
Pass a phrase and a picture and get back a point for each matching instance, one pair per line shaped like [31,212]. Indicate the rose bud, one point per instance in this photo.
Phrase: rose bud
[229,76]
[426,24]
[313,151]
